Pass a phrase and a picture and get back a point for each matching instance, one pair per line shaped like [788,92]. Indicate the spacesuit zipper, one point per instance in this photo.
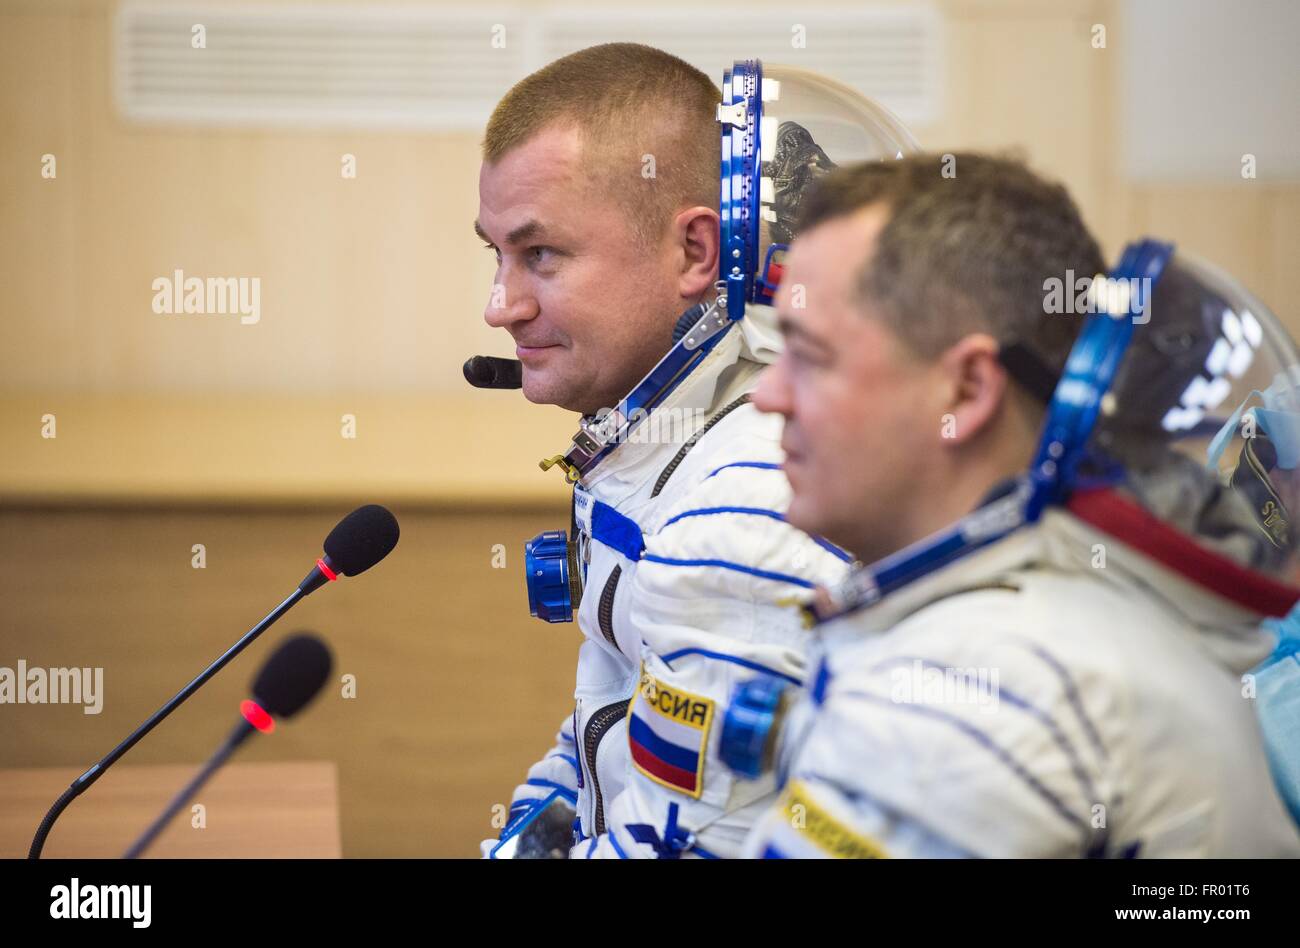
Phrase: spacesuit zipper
[694,440]
[600,722]
[605,612]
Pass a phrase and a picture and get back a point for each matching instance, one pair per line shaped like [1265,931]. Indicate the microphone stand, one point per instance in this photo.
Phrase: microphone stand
[80,785]
[241,732]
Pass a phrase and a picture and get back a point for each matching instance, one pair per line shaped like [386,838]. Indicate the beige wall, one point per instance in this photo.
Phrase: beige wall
[372,289]
[372,297]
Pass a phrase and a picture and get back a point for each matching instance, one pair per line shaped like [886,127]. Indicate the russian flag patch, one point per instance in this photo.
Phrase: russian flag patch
[668,732]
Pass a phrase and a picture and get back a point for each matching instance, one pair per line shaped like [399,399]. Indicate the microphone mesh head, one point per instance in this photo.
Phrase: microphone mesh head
[292,676]
[361,539]
[492,372]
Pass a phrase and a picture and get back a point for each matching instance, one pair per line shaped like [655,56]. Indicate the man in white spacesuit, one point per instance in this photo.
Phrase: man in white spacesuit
[994,683]
[599,195]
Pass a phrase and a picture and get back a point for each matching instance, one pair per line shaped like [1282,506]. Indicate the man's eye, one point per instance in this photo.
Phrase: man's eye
[540,254]
[805,357]
[493,248]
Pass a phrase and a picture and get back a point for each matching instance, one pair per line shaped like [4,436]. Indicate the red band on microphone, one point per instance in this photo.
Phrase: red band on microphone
[329,573]
[255,716]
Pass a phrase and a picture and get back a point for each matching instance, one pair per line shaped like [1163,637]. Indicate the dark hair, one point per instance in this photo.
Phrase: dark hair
[969,243]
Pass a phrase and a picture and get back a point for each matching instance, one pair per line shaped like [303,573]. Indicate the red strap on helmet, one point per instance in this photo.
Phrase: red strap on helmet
[1112,513]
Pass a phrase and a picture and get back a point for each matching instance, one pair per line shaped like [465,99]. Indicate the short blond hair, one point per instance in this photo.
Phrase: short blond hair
[627,101]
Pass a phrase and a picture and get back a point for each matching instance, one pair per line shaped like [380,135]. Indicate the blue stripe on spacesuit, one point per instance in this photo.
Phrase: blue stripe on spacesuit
[704,511]
[826,545]
[1072,695]
[613,841]
[744,662]
[821,681]
[1043,718]
[834,550]
[564,791]
[616,531]
[760,465]
[989,745]
[621,533]
[573,761]
[727,564]
[771,852]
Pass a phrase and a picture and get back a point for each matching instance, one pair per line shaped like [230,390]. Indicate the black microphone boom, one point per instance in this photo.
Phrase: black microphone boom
[492,372]
[293,675]
[361,539]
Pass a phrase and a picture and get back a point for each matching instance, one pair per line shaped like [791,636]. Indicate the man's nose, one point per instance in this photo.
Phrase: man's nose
[509,304]
[772,394]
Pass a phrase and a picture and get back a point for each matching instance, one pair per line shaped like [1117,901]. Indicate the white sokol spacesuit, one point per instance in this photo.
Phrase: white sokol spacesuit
[1030,702]
[1078,687]
[708,603]
[690,574]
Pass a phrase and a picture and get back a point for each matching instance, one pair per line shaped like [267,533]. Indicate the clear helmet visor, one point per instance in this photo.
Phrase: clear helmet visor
[810,126]
[1204,415]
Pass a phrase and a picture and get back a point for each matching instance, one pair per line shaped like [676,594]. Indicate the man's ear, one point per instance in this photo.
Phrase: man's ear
[975,386]
[696,233]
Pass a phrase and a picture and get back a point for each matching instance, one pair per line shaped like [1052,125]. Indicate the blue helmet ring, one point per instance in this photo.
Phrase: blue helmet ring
[782,128]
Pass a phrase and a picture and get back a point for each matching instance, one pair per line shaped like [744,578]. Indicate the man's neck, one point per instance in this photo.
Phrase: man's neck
[953,493]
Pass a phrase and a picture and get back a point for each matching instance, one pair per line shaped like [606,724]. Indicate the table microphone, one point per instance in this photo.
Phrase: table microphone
[357,542]
[288,680]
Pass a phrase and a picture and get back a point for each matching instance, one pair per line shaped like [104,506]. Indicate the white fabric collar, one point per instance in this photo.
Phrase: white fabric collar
[726,373]
[1229,632]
